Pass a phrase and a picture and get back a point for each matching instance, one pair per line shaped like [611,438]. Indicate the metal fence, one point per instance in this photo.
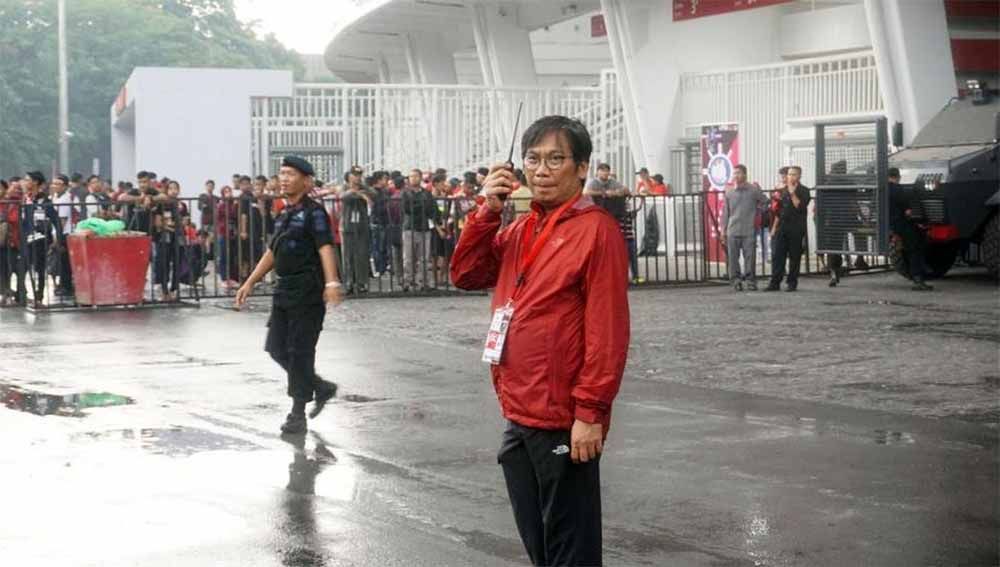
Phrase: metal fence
[776,105]
[458,127]
[402,247]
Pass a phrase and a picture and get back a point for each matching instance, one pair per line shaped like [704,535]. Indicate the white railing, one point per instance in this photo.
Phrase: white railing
[457,127]
[763,100]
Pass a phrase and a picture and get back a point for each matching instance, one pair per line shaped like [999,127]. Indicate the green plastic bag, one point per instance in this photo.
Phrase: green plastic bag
[100,227]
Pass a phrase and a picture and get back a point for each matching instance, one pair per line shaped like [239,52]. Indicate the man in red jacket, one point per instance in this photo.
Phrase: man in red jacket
[559,338]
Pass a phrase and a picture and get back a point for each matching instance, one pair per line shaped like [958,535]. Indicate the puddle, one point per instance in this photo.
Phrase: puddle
[67,405]
[172,441]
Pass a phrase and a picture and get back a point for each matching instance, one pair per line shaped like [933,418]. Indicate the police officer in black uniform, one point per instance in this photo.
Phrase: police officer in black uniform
[903,223]
[301,254]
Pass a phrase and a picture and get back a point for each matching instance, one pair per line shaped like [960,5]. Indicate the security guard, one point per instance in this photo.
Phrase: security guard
[301,253]
[41,230]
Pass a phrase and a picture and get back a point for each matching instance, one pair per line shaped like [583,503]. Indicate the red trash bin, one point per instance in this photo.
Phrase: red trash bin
[109,270]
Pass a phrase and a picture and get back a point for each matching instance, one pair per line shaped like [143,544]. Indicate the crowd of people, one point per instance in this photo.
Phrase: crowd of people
[386,224]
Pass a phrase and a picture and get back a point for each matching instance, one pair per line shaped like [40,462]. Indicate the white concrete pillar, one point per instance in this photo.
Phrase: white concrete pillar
[622,53]
[429,60]
[503,47]
[913,54]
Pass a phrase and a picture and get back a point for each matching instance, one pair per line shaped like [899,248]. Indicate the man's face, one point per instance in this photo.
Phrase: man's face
[245,186]
[552,174]
[793,177]
[604,175]
[353,179]
[173,190]
[413,179]
[209,188]
[143,184]
[58,186]
[293,182]
[94,185]
[259,186]
[739,176]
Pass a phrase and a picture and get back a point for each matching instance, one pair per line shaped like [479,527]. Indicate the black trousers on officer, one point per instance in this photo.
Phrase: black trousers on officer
[556,503]
[915,247]
[34,262]
[786,246]
[292,335]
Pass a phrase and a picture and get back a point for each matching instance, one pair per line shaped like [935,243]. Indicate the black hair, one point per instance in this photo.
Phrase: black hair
[439,178]
[742,168]
[893,172]
[3,184]
[151,174]
[142,175]
[395,173]
[210,182]
[441,171]
[603,167]
[76,178]
[14,179]
[63,178]
[92,177]
[483,171]
[245,178]
[417,171]
[470,178]
[575,132]
[783,170]
[261,178]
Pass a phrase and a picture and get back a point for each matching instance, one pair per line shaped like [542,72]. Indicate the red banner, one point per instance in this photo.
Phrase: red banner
[597,26]
[720,153]
[690,9]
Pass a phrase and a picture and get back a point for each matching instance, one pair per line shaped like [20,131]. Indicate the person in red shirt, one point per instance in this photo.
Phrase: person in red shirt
[10,236]
[560,337]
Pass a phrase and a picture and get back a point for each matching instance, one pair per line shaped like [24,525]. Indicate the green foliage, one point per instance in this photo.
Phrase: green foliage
[106,39]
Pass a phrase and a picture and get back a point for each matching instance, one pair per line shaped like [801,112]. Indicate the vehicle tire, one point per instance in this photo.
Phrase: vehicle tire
[940,258]
[989,248]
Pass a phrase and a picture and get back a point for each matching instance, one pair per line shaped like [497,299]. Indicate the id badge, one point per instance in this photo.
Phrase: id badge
[497,334]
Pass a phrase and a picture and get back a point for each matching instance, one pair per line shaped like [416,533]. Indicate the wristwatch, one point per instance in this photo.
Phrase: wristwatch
[332,284]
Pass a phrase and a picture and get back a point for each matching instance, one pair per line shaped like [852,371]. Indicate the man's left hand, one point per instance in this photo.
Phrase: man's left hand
[586,441]
[332,296]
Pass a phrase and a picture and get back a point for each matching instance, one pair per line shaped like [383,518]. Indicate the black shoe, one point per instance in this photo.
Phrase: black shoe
[324,394]
[772,287]
[294,424]
[921,286]
[791,288]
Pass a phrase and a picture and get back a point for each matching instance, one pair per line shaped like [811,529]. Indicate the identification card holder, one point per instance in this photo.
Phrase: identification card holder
[497,334]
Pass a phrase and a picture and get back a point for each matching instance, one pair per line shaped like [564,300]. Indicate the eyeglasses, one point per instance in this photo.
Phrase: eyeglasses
[554,162]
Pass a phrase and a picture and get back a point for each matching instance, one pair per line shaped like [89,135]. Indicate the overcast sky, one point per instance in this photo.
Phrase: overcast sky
[303,25]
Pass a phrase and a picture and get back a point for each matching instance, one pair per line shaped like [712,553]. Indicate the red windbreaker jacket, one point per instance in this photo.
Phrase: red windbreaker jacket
[568,340]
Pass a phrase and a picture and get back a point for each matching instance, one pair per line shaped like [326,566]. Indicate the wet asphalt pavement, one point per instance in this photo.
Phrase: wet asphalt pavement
[848,426]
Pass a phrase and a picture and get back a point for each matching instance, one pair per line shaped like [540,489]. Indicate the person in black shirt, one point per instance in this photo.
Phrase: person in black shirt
[40,231]
[789,232]
[420,217]
[905,227]
[301,254]
[380,222]
[168,234]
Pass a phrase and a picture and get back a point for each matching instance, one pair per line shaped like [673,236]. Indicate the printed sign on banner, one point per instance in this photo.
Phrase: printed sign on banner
[690,9]
[720,153]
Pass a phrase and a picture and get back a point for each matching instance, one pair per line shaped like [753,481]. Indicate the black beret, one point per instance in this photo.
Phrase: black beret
[36,176]
[295,162]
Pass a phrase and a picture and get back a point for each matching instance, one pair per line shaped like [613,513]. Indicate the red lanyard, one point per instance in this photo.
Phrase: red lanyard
[531,247]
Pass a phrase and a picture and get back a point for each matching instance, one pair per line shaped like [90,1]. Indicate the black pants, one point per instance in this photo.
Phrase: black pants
[65,271]
[786,246]
[557,504]
[168,261]
[34,262]
[291,341]
[914,246]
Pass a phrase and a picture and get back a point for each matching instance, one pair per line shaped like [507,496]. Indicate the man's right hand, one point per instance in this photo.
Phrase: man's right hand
[243,294]
[500,181]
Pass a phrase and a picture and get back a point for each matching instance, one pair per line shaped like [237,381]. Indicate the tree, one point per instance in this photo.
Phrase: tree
[106,40]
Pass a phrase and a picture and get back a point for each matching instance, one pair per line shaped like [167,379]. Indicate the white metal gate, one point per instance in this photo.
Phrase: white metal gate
[458,127]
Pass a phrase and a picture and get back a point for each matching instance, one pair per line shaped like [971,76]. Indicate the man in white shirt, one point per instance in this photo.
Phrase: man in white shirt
[65,203]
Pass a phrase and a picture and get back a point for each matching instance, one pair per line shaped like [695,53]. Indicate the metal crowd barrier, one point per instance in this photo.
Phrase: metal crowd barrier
[392,246]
